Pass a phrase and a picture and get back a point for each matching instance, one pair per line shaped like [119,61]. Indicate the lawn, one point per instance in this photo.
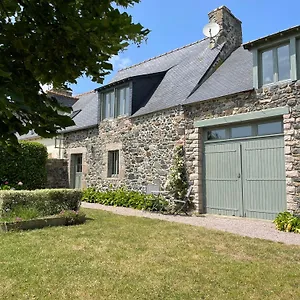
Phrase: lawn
[117,257]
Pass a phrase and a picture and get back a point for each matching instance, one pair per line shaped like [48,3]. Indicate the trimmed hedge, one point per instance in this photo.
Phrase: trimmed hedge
[46,202]
[27,165]
[125,198]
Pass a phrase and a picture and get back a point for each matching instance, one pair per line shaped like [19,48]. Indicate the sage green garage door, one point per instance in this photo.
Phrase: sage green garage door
[246,177]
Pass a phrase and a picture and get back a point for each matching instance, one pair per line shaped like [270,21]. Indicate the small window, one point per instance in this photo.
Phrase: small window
[241,131]
[116,103]
[217,134]
[283,57]
[78,163]
[270,128]
[113,163]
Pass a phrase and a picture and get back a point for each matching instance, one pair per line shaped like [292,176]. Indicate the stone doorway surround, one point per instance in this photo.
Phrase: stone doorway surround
[79,150]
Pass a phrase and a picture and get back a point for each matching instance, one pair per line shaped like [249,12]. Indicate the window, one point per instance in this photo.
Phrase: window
[275,64]
[116,103]
[109,99]
[241,131]
[270,128]
[217,134]
[113,163]
[258,129]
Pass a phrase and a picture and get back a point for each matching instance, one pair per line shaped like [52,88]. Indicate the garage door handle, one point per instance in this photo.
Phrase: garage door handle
[239,175]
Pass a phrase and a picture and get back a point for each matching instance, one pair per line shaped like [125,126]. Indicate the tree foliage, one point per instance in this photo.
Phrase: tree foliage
[55,41]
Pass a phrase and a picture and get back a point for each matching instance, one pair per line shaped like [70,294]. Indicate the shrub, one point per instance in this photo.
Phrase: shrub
[73,217]
[288,222]
[125,198]
[46,202]
[27,165]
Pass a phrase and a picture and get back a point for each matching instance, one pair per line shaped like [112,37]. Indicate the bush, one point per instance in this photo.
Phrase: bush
[73,217]
[288,222]
[27,165]
[125,198]
[46,202]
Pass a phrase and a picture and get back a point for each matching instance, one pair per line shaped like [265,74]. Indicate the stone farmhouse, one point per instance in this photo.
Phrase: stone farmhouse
[236,109]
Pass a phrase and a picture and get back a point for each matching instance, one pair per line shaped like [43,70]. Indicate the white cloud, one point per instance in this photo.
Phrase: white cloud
[119,62]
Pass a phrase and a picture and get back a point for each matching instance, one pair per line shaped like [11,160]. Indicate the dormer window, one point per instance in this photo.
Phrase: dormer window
[115,102]
[276,58]
[275,64]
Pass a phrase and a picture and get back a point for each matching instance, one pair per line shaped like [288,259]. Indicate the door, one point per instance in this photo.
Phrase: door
[77,171]
[246,177]
[223,179]
[264,183]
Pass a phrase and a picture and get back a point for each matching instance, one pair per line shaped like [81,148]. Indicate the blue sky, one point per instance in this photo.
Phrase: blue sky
[175,23]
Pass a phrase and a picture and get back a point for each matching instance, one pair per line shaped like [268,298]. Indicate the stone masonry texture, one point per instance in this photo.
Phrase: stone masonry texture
[146,143]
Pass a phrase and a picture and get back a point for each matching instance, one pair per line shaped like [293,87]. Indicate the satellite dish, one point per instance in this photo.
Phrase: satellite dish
[211,30]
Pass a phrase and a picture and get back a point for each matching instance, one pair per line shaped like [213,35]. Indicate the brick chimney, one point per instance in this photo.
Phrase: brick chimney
[230,30]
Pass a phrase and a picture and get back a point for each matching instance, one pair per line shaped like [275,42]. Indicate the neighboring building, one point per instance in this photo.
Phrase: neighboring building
[236,108]
[54,145]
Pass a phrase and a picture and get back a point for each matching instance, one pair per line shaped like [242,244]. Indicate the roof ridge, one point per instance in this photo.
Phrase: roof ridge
[85,93]
[60,94]
[166,53]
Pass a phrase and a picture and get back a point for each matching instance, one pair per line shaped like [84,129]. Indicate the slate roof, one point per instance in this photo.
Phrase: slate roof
[64,100]
[233,76]
[85,110]
[87,105]
[184,68]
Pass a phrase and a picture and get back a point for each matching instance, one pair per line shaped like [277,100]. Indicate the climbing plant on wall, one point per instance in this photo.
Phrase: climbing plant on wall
[177,183]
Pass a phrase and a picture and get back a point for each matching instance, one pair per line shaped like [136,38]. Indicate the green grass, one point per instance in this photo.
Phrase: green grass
[19,212]
[117,257]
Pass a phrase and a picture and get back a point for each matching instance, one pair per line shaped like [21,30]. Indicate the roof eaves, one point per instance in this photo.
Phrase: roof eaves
[269,38]
[78,128]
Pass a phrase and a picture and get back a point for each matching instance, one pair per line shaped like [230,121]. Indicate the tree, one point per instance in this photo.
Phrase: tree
[55,42]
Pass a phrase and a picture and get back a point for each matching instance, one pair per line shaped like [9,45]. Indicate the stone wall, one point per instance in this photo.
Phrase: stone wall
[145,143]
[285,94]
[57,173]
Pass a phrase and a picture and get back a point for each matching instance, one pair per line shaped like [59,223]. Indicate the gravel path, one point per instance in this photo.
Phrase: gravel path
[253,228]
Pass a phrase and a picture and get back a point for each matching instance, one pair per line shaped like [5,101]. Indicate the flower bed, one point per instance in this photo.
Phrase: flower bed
[65,218]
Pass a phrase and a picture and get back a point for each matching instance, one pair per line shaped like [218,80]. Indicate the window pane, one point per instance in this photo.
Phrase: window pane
[283,54]
[217,134]
[270,128]
[113,163]
[126,109]
[267,67]
[109,104]
[242,131]
[123,101]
